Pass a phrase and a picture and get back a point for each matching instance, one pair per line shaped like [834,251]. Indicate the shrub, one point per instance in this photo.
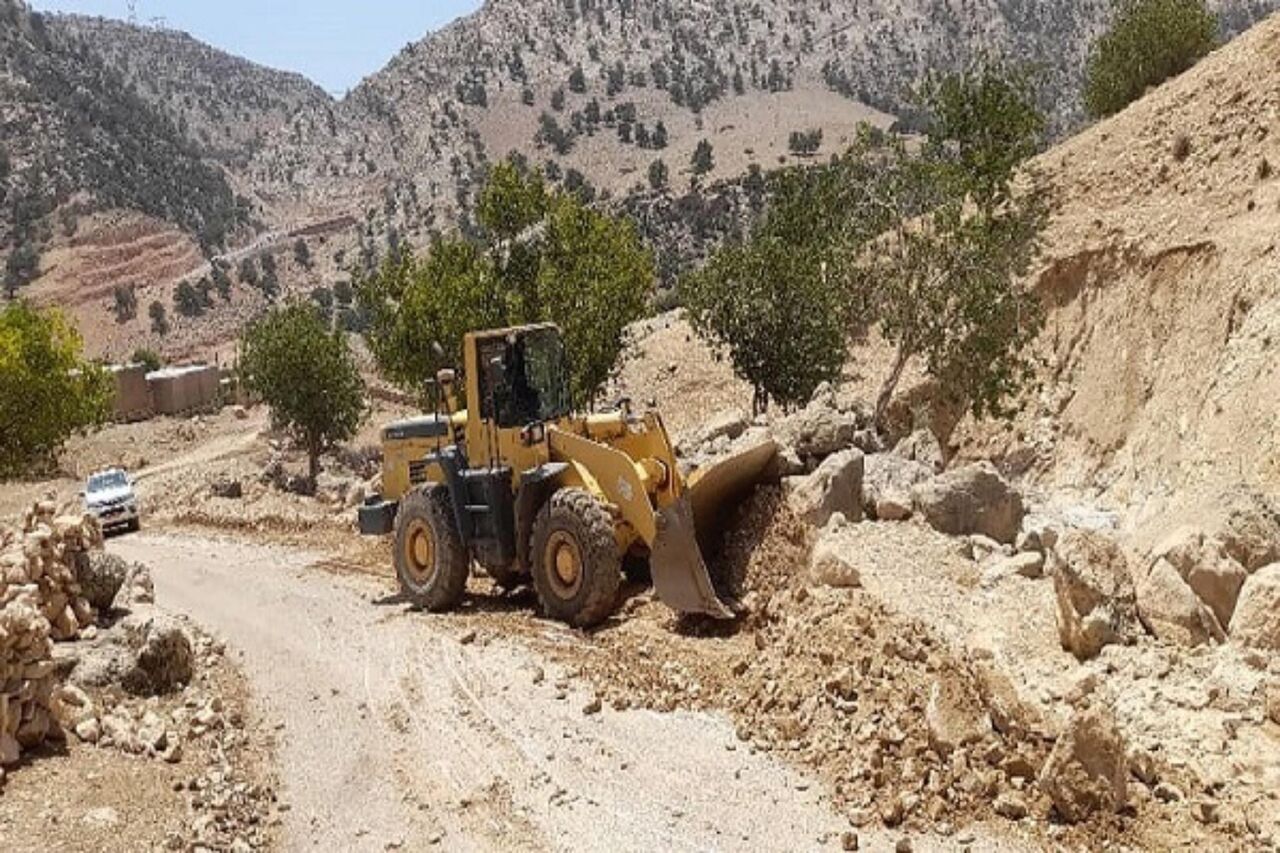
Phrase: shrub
[1149,41]
[703,158]
[658,175]
[159,318]
[805,143]
[148,358]
[125,302]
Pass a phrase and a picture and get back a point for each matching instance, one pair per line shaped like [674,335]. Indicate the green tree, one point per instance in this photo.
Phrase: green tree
[658,175]
[773,302]
[412,305]
[982,123]
[221,281]
[125,304]
[248,272]
[773,310]
[302,254]
[1149,41]
[805,143]
[547,257]
[307,375]
[659,138]
[594,279]
[186,298]
[159,318]
[703,158]
[148,358]
[21,268]
[577,81]
[947,278]
[47,389]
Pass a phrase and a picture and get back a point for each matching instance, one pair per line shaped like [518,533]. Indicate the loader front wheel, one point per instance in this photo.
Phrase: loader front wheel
[431,562]
[576,567]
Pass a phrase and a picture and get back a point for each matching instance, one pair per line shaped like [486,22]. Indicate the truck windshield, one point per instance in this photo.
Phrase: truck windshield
[108,481]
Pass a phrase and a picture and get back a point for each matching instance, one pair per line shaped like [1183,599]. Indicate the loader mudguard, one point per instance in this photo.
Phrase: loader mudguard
[453,463]
[536,485]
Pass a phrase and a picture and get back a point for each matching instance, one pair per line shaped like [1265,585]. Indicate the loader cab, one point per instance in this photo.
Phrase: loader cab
[516,378]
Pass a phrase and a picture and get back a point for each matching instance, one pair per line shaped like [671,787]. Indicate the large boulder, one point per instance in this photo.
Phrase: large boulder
[1249,529]
[1087,770]
[973,499]
[819,429]
[1171,611]
[163,658]
[1203,562]
[922,446]
[830,563]
[836,487]
[137,591]
[729,425]
[1256,622]
[100,575]
[887,482]
[1094,591]
[954,714]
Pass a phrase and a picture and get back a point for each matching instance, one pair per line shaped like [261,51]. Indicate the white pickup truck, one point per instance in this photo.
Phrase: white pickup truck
[109,496]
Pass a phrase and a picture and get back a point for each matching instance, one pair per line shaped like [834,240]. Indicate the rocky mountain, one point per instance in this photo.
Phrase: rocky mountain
[226,106]
[75,137]
[610,97]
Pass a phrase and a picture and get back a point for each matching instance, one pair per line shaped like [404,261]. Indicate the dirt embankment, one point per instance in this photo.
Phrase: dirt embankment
[1161,274]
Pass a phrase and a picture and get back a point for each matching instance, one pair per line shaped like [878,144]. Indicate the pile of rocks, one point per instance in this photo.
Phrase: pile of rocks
[40,600]
[44,554]
[1198,586]
[137,721]
[27,680]
[1203,585]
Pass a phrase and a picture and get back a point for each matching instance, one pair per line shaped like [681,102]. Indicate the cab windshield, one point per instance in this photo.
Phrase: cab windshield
[533,383]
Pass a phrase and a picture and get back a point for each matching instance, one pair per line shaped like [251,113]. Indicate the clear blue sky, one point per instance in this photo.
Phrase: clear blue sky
[334,42]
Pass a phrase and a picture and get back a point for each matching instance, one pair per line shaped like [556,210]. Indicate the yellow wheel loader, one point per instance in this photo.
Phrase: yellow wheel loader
[532,492]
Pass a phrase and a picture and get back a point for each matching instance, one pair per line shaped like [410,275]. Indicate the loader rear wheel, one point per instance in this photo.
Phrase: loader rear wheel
[576,567]
[431,562]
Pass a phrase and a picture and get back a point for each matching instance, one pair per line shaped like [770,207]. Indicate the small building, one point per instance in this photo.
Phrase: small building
[131,400]
[185,390]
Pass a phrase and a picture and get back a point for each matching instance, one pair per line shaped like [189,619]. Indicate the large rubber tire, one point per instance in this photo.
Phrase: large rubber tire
[576,528]
[431,562]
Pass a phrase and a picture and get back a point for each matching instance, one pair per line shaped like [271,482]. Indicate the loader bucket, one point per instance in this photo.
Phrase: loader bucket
[679,569]
[680,575]
[718,490]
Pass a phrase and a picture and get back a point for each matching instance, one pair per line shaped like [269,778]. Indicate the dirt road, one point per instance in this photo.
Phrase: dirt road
[395,734]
